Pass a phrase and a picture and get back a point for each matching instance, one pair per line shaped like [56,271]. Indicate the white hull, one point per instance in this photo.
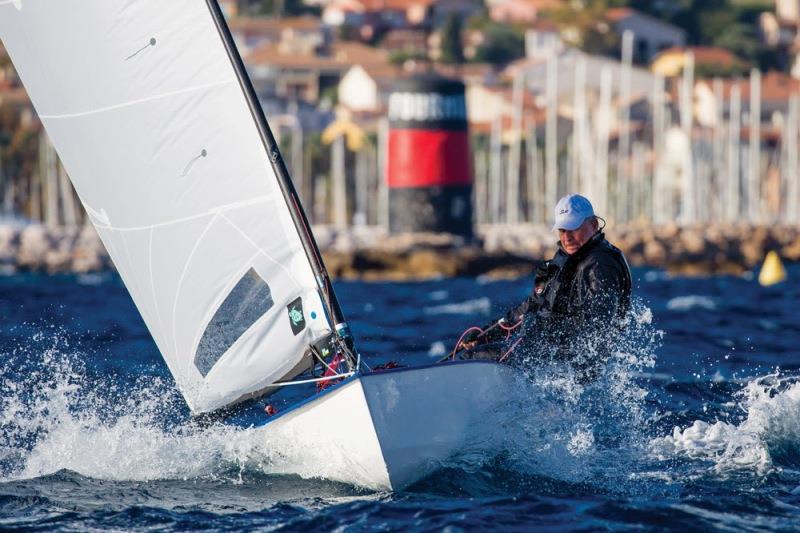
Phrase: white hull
[392,428]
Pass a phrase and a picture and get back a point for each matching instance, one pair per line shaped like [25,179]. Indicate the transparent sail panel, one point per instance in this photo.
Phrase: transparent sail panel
[249,300]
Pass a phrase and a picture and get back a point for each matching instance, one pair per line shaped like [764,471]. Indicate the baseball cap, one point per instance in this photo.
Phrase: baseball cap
[571,211]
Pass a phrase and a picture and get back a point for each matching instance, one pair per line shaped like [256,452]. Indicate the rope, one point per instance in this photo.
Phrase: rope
[315,380]
[460,339]
[503,357]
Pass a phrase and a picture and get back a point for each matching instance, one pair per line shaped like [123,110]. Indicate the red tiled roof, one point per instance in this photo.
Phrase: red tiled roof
[776,87]
[615,14]
[273,24]
[11,94]
[395,5]
[342,56]
[706,55]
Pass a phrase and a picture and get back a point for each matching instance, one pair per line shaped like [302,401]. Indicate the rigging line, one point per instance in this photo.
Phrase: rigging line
[139,101]
[214,211]
[314,380]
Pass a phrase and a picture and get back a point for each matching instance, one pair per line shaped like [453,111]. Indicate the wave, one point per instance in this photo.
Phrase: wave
[57,414]
[482,306]
[767,439]
[690,302]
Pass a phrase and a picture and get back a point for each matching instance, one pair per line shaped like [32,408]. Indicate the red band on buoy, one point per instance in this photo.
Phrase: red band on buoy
[428,158]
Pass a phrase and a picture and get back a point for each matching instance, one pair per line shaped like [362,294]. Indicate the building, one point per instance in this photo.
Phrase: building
[412,42]
[788,10]
[471,41]
[293,33]
[542,39]
[365,89]
[708,61]
[515,12]
[536,72]
[280,72]
[650,35]
[777,90]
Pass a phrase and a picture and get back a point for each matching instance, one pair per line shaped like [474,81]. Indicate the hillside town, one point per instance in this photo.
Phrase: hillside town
[671,114]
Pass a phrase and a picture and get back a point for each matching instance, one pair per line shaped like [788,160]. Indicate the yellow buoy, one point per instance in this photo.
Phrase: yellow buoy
[772,270]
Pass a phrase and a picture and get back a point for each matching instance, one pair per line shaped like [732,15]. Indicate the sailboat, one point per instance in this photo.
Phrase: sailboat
[154,117]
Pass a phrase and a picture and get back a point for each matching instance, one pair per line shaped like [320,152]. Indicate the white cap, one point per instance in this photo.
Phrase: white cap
[571,211]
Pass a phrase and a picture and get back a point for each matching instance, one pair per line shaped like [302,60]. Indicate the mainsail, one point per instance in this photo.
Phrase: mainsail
[149,110]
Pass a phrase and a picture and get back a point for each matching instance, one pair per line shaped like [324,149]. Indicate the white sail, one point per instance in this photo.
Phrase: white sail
[146,111]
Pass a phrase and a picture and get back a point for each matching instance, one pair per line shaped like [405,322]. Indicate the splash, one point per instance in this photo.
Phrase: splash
[766,440]
[56,415]
[577,432]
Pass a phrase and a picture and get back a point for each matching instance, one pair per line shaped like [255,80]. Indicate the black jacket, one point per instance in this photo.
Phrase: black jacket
[574,313]
[592,284]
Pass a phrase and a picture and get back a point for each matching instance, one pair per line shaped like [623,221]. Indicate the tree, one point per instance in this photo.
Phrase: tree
[585,26]
[503,45]
[452,47]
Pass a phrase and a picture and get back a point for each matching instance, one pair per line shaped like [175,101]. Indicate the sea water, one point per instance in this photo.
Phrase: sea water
[695,422]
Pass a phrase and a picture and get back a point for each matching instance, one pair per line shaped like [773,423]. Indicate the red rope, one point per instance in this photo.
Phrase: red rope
[460,339]
[503,358]
[509,329]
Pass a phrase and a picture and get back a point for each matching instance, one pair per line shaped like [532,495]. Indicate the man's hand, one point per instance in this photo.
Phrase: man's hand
[471,338]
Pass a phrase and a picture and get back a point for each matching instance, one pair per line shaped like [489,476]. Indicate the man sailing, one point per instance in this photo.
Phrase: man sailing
[577,306]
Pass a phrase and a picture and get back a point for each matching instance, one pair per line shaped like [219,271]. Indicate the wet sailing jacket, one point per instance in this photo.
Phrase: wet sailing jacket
[593,284]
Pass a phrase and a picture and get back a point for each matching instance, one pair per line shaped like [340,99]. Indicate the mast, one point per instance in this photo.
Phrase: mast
[287,186]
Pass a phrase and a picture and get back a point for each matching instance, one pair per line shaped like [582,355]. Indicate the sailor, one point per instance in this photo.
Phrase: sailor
[578,304]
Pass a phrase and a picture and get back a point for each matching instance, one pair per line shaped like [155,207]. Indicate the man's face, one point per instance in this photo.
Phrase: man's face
[572,240]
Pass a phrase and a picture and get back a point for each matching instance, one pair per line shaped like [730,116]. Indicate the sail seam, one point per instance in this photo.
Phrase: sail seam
[152,280]
[215,211]
[257,247]
[136,102]
[179,286]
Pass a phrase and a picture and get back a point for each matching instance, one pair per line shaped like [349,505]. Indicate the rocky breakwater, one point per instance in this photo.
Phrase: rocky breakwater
[687,250]
[373,254]
[38,248]
[498,251]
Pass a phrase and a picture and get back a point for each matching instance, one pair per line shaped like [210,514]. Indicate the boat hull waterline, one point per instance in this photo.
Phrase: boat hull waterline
[401,424]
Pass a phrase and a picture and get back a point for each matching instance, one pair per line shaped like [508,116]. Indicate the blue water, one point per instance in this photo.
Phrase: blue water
[696,423]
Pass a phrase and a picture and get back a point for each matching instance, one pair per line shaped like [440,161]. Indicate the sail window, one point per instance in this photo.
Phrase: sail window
[248,301]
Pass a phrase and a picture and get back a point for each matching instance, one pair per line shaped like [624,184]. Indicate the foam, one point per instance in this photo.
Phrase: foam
[477,306]
[59,417]
[690,302]
[769,434]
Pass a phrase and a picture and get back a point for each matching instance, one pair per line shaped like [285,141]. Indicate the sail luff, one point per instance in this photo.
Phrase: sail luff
[281,172]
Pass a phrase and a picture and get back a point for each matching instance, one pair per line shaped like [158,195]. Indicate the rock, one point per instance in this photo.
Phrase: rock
[693,241]
[368,252]
[58,261]
[34,243]
[9,244]
[655,253]
[87,259]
